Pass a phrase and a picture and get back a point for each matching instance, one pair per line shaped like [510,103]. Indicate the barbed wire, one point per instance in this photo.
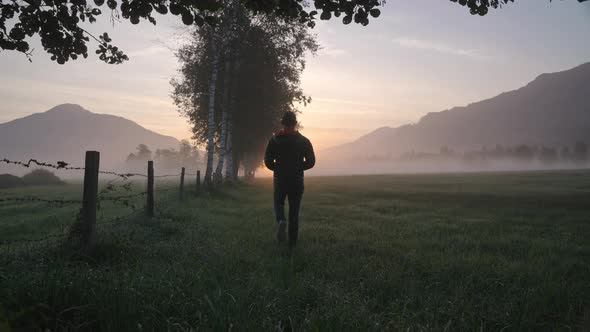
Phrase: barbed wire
[62,165]
[38,199]
[125,200]
[57,165]
[122,175]
[167,175]
[110,222]
[110,186]
[116,198]
[25,240]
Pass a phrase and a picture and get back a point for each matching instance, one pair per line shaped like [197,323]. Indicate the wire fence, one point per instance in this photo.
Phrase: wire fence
[62,165]
[93,199]
[26,199]
[113,221]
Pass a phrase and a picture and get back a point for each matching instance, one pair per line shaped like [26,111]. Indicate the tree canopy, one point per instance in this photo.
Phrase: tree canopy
[60,23]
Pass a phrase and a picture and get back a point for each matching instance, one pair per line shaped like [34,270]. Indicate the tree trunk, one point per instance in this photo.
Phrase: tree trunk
[233,102]
[235,166]
[211,119]
[224,120]
[229,149]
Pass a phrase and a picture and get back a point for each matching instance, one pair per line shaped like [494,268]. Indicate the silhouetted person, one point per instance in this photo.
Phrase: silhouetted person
[288,154]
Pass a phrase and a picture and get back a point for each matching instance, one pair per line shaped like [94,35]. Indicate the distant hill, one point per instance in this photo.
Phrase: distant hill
[552,110]
[36,177]
[10,181]
[66,131]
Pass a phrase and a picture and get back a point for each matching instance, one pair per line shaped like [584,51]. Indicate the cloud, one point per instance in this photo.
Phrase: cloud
[438,47]
[334,51]
[329,50]
[346,102]
[149,51]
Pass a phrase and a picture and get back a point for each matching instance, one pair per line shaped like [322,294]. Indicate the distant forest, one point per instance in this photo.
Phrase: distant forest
[577,153]
[186,156]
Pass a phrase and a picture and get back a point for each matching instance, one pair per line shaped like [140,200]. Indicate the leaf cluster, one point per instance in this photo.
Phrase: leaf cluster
[58,23]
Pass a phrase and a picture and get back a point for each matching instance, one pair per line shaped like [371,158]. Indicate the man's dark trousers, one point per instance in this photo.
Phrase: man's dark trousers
[292,189]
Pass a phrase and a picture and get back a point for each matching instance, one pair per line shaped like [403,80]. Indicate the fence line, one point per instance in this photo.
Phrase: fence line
[92,198]
[38,199]
[115,221]
[23,199]
[116,198]
[35,240]
[62,165]
[58,165]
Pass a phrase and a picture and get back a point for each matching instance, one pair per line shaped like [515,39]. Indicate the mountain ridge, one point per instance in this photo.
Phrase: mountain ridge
[66,131]
[552,109]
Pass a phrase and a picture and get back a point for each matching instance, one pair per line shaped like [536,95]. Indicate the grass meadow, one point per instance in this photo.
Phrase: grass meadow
[444,252]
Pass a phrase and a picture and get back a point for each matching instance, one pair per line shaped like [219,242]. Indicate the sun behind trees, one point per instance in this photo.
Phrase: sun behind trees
[235,81]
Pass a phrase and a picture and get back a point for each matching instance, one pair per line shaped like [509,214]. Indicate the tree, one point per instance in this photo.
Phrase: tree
[211,109]
[58,23]
[230,33]
[170,159]
[143,153]
[580,153]
[565,153]
[187,153]
[41,177]
[139,158]
[524,152]
[267,51]
[548,155]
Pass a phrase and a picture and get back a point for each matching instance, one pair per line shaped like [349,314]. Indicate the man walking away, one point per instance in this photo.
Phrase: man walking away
[288,154]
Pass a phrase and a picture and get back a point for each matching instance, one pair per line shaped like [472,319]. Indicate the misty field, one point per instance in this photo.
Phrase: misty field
[485,252]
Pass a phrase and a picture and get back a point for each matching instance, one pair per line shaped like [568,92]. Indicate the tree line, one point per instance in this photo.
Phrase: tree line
[579,152]
[187,155]
[235,81]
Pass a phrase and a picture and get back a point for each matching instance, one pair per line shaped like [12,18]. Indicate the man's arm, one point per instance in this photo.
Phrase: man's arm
[309,156]
[270,155]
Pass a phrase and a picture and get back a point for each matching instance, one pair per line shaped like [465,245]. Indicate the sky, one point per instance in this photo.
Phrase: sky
[419,56]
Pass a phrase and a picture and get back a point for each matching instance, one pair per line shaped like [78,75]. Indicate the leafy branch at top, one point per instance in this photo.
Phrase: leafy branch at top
[58,22]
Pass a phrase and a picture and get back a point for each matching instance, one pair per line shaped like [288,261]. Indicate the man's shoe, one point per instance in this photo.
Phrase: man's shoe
[282,231]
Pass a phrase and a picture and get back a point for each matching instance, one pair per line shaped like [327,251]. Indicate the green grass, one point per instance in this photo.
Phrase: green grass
[485,252]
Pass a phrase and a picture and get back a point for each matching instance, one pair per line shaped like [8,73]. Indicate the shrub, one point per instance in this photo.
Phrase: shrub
[41,177]
[10,181]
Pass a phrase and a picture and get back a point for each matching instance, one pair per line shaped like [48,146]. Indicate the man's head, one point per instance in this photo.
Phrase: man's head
[289,120]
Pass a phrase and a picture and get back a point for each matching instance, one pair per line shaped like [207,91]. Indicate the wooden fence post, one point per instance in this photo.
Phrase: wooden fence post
[89,199]
[150,189]
[198,181]
[181,192]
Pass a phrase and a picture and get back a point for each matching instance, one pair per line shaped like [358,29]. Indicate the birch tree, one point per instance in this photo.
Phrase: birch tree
[258,81]
[211,110]
[230,31]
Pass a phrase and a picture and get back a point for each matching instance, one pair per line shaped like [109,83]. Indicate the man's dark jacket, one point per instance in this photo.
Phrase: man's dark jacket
[288,154]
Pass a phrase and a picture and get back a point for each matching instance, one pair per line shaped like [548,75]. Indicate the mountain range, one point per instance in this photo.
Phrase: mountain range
[66,131]
[552,110]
